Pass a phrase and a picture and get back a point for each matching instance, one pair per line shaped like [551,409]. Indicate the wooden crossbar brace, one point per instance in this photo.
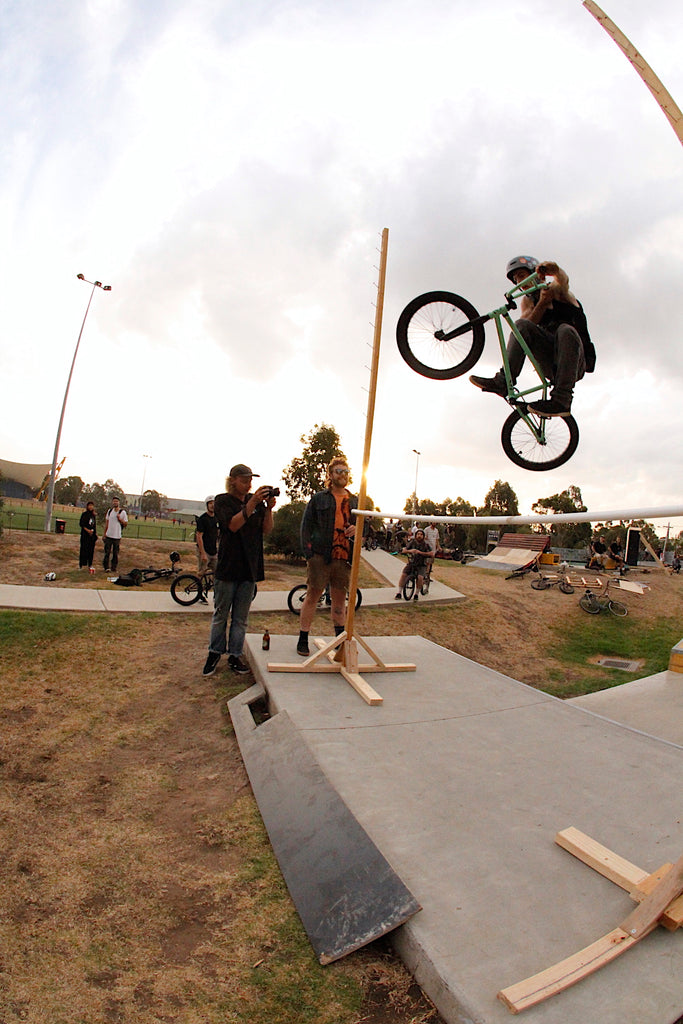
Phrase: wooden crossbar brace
[660,901]
[340,655]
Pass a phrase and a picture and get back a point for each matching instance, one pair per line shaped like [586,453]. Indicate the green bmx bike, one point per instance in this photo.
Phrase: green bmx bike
[441,335]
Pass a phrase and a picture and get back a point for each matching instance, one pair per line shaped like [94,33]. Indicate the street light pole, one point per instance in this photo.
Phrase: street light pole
[144,472]
[53,471]
[417,466]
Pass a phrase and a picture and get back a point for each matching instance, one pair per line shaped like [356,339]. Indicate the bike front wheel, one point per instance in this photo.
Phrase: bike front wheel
[540,584]
[617,608]
[409,589]
[565,587]
[551,444]
[423,322]
[186,589]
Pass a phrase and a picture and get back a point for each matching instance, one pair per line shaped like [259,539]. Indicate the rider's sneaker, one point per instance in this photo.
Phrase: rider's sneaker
[415,597]
[495,385]
[398,597]
[302,648]
[550,407]
[211,663]
[237,665]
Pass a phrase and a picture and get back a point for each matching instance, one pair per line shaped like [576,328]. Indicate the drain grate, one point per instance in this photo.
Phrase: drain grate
[620,663]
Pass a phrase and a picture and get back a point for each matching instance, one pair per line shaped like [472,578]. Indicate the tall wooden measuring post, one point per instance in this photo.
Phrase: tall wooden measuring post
[341,653]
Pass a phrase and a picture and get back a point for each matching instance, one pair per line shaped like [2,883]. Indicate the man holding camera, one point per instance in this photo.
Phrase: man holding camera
[243,519]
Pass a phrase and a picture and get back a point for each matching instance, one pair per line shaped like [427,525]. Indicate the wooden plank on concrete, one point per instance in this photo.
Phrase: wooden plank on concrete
[598,857]
[345,891]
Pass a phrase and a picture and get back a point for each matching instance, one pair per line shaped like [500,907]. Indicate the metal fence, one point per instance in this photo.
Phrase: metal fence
[144,530]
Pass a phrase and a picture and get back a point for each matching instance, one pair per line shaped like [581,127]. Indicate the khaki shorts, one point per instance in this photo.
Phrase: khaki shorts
[337,573]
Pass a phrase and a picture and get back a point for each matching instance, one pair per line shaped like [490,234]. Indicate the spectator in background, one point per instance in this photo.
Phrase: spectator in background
[207,538]
[115,521]
[88,524]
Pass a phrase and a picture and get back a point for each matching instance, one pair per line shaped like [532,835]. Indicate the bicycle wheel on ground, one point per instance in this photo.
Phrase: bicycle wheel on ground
[359,598]
[540,584]
[589,604]
[409,588]
[565,587]
[617,608]
[296,597]
[420,330]
[186,589]
[558,440]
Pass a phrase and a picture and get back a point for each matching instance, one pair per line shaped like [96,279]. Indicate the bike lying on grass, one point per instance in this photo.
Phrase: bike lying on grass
[136,577]
[441,335]
[595,603]
[297,596]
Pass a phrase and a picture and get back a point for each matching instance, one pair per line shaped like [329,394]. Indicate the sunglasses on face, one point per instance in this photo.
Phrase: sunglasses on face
[340,471]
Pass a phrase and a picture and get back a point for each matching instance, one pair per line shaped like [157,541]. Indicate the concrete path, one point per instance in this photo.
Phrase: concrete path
[462,778]
[654,705]
[135,599]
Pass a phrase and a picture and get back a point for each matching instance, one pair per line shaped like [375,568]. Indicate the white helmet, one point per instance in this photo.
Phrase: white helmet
[211,497]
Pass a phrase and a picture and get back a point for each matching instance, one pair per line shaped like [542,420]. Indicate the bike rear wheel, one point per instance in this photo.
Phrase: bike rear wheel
[297,596]
[424,590]
[186,589]
[565,587]
[589,604]
[559,440]
[430,314]
[617,608]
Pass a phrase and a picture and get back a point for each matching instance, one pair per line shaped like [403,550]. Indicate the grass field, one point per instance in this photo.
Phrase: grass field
[137,882]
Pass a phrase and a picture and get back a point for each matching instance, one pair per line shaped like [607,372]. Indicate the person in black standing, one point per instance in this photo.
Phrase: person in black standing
[243,519]
[88,524]
[207,538]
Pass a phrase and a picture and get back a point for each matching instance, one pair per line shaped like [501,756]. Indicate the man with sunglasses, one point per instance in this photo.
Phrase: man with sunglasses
[327,531]
[243,519]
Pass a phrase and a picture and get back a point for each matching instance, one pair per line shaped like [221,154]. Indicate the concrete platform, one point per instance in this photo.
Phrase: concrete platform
[653,705]
[462,777]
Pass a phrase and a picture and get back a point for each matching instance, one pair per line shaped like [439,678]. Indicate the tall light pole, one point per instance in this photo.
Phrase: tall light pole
[417,466]
[53,471]
[144,472]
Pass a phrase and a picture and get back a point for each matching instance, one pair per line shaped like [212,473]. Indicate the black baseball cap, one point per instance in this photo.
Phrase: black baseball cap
[241,470]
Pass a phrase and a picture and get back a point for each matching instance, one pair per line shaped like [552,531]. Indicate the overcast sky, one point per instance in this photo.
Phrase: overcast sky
[228,168]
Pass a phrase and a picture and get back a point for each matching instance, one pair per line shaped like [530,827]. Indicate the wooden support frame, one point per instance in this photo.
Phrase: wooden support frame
[660,901]
[342,650]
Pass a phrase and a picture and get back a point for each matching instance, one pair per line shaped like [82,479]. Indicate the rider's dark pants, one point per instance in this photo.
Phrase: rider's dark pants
[559,354]
[111,550]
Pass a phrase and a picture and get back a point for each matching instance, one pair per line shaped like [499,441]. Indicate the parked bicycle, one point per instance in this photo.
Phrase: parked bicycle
[559,580]
[594,603]
[190,588]
[441,335]
[297,595]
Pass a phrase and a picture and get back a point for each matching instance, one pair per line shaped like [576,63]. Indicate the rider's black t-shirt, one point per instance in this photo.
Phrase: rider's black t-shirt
[208,527]
[416,547]
[568,313]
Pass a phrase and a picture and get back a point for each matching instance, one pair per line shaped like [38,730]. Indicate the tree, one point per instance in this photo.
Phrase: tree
[501,500]
[284,537]
[101,495]
[68,490]
[567,535]
[306,474]
[153,502]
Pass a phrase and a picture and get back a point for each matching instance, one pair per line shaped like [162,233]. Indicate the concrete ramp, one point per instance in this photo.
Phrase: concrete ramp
[513,551]
[462,778]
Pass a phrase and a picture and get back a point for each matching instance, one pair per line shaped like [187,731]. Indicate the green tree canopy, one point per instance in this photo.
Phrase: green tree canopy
[101,495]
[306,474]
[284,537]
[501,500]
[152,501]
[566,535]
[68,490]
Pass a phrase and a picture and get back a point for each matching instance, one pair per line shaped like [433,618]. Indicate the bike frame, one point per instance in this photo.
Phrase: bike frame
[515,397]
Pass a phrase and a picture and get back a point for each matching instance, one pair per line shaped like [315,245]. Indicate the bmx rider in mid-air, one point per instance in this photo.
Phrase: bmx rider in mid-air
[553,325]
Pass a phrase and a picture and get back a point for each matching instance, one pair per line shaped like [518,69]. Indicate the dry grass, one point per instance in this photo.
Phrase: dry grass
[137,883]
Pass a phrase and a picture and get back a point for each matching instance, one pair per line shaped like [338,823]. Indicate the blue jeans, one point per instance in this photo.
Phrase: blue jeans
[230,596]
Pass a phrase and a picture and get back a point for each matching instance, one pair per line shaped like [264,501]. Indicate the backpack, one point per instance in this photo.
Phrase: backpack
[132,579]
